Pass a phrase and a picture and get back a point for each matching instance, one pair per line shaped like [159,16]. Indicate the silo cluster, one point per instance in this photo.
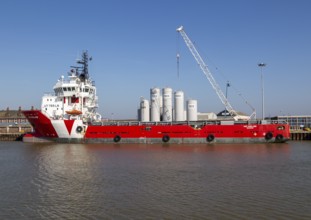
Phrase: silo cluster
[167,106]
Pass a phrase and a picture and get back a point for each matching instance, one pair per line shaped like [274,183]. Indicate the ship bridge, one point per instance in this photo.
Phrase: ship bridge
[73,98]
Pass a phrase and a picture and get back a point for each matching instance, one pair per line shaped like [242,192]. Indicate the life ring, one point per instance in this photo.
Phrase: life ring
[117,138]
[279,138]
[79,129]
[268,136]
[165,138]
[210,138]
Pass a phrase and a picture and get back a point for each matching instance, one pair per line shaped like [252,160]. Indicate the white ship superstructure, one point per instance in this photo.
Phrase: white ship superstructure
[73,98]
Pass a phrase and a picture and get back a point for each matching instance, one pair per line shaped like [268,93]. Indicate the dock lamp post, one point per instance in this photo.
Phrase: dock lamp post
[261,65]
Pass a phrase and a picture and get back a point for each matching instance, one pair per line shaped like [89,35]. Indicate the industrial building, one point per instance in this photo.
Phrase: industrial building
[296,122]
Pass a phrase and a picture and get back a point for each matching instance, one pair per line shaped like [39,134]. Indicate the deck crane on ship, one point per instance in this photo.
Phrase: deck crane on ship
[211,79]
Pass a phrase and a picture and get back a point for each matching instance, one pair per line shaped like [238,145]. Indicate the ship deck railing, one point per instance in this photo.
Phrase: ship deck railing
[48,94]
[190,123]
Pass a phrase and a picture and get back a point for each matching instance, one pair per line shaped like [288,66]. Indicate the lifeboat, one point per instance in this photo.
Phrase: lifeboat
[74,112]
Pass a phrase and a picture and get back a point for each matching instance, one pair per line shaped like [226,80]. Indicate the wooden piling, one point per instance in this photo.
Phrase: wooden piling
[300,135]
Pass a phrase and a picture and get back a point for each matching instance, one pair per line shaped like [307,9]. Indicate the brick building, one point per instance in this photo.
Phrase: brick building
[12,116]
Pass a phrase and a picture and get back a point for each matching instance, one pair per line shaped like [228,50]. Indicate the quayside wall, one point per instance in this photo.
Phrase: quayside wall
[12,133]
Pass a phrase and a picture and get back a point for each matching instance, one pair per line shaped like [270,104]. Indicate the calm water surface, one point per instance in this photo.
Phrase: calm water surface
[74,181]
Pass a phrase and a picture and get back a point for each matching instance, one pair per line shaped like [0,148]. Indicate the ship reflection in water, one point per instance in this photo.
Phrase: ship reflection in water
[73,181]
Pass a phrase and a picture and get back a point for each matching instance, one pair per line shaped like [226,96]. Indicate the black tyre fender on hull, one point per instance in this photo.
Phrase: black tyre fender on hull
[166,138]
[210,138]
[79,129]
[117,138]
[279,138]
[269,136]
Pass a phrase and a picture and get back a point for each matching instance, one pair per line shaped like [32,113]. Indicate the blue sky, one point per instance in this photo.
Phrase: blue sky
[134,46]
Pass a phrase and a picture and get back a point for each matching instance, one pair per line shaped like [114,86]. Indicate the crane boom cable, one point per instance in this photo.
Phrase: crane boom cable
[177,54]
[253,115]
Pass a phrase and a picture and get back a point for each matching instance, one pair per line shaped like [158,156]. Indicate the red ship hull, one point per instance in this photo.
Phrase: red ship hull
[46,129]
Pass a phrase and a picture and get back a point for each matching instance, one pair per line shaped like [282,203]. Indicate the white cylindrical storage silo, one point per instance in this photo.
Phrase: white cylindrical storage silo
[192,110]
[167,104]
[155,99]
[179,106]
[144,110]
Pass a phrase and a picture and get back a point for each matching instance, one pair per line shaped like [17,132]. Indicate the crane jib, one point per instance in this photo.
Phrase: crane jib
[207,73]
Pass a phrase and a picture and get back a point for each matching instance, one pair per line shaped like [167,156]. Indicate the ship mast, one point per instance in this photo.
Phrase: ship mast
[83,71]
